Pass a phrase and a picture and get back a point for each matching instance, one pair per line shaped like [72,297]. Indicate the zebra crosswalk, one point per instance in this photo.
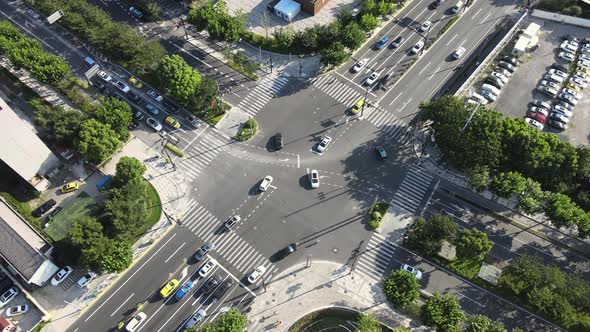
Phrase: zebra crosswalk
[200,155]
[228,245]
[375,260]
[412,190]
[390,125]
[336,89]
[265,90]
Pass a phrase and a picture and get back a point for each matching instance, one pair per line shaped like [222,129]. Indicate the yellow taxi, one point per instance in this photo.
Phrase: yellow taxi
[574,87]
[69,187]
[357,107]
[169,288]
[137,83]
[172,122]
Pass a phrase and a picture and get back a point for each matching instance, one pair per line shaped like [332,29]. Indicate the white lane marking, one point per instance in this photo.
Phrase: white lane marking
[298,163]
[405,104]
[476,13]
[351,81]
[188,53]
[119,307]
[484,20]
[126,281]
[393,101]
[462,43]
[436,71]
[174,253]
[451,40]
[423,69]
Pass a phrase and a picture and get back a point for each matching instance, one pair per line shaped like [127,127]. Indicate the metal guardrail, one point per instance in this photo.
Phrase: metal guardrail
[484,64]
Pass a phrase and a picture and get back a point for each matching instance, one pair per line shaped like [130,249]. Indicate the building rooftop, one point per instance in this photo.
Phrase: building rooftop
[23,248]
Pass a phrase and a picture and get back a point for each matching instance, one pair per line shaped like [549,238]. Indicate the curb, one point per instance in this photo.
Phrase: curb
[91,303]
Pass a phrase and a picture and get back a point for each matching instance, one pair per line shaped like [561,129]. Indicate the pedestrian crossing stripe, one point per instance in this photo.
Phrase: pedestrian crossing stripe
[264,91]
[412,190]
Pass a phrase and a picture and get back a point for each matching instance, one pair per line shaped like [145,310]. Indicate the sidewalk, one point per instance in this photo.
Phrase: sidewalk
[539,224]
[300,290]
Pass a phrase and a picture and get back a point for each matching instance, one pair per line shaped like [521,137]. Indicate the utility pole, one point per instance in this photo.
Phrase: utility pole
[425,41]
[355,253]
[184,28]
[164,143]
[300,65]
[263,285]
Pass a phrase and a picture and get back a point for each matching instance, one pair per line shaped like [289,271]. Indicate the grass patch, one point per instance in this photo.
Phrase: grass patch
[243,70]
[39,326]
[175,150]
[377,213]
[82,205]
[468,268]
[155,205]
[449,25]
[213,118]
[23,209]
[247,131]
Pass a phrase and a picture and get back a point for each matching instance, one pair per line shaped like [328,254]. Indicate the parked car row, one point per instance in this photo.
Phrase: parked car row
[564,89]
[8,292]
[493,84]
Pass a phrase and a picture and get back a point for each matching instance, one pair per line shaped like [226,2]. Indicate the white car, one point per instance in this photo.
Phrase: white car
[8,296]
[104,76]
[257,273]
[501,77]
[135,322]
[425,26]
[86,279]
[571,92]
[266,182]
[372,78]
[566,46]
[207,267]
[548,90]
[582,76]
[585,57]
[558,73]
[231,222]
[417,273]
[534,123]
[155,96]
[61,275]
[458,53]
[417,47]
[17,310]
[541,110]
[567,56]
[122,86]
[569,98]
[314,179]
[359,65]
[154,124]
[584,63]
[324,143]
[562,110]
[550,83]
[579,82]
[195,319]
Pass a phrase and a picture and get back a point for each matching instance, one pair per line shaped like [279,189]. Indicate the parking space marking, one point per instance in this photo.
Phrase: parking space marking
[484,20]
[476,13]
[423,69]
[175,251]
[122,304]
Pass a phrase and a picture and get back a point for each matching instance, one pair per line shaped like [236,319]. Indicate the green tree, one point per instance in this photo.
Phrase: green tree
[368,22]
[146,59]
[507,184]
[85,231]
[481,323]
[116,257]
[562,211]
[584,226]
[204,97]
[369,6]
[401,288]
[385,8]
[117,114]
[334,54]
[177,78]
[126,209]
[153,10]
[368,323]
[345,16]
[63,124]
[443,312]
[529,200]
[572,10]
[230,321]
[284,37]
[202,16]
[129,170]
[96,141]
[478,178]
[352,36]
[427,237]
[473,244]
[308,39]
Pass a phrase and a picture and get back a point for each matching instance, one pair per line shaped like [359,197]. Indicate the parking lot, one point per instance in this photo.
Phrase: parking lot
[25,321]
[521,88]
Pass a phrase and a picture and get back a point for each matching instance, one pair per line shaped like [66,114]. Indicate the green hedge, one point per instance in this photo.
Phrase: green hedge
[247,131]
[377,213]
[175,150]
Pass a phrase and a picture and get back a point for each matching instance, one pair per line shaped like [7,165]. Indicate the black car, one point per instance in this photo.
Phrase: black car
[570,38]
[278,141]
[5,283]
[133,124]
[171,106]
[288,250]
[138,116]
[38,212]
[511,60]
[134,98]
[507,66]
[381,153]
[560,67]
[210,284]
[221,290]
[494,81]
[436,4]
[100,87]
[540,103]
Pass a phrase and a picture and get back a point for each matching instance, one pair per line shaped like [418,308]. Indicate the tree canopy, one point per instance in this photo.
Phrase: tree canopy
[129,169]
[401,288]
[473,244]
[443,313]
[117,114]
[177,78]
[96,141]
[230,321]
[427,236]
[368,323]
[63,124]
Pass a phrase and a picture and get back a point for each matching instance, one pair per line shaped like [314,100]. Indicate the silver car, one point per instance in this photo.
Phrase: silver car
[195,319]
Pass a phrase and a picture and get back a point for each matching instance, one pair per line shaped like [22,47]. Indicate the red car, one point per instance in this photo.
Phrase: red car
[537,116]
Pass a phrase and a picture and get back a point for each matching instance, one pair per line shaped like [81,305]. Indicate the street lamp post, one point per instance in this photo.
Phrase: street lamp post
[364,102]
[425,41]
[470,117]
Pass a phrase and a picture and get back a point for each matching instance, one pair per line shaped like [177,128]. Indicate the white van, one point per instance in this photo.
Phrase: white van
[455,9]
[479,98]
[491,89]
